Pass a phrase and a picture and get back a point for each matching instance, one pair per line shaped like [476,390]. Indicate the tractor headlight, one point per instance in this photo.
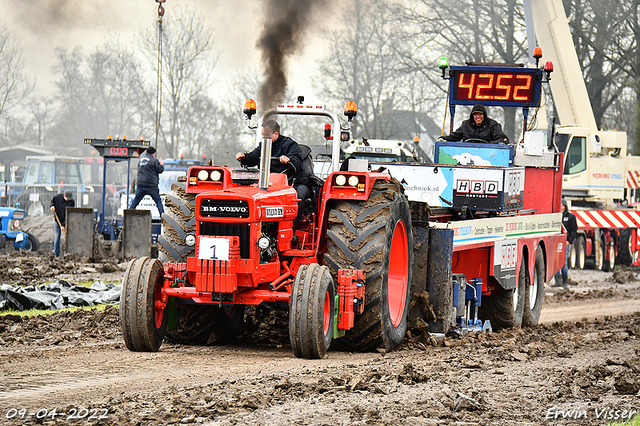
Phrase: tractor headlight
[203,175]
[264,243]
[353,180]
[190,240]
[16,224]
[216,175]
[341,180]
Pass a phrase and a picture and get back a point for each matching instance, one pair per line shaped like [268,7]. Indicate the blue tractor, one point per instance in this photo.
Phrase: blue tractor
[11,233]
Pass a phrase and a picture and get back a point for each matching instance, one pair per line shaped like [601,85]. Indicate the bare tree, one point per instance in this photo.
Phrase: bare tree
[362,65]
[463,31]
[187,63]
[15,87]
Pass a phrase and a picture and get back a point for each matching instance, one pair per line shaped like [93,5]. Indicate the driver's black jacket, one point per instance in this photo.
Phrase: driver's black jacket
[284,145]
[490,130]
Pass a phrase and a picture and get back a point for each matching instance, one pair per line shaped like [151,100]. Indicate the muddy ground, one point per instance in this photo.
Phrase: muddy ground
[583,361]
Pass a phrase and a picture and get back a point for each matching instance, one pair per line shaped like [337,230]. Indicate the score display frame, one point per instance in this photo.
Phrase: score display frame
[494,86]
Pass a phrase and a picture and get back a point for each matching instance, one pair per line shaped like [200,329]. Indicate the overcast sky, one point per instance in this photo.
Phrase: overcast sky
[43,25]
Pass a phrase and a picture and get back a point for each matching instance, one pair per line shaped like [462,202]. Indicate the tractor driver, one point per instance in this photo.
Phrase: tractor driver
[286,157]
[479,126]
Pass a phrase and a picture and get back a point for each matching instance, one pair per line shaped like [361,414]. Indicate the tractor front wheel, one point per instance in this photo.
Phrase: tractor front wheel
[311,315]
[375,236]
[142,316]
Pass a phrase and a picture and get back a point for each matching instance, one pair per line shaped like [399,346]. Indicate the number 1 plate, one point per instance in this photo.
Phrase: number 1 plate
[212,248]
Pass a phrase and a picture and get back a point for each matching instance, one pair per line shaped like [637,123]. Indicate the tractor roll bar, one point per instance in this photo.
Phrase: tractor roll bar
[297,109]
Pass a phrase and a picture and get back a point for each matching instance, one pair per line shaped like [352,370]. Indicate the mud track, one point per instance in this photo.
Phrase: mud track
[579,359]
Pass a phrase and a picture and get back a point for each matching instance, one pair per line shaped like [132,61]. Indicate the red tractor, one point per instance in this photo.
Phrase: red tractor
[344,271]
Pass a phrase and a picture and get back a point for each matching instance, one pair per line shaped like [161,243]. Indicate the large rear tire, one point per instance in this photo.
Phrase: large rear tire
[311,315]
[505,309]
[375,236]
[533,296]
[143,319]
[178,221]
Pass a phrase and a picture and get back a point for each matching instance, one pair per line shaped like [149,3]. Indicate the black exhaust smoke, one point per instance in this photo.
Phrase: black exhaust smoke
[286,22]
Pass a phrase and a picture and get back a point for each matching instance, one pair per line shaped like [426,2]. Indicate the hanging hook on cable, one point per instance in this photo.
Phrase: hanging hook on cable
[159,77]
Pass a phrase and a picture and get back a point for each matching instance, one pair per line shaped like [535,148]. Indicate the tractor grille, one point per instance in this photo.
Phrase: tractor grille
[240,230]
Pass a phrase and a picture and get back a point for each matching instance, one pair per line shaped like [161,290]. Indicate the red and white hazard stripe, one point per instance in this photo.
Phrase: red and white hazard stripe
[633,179]
[592,219]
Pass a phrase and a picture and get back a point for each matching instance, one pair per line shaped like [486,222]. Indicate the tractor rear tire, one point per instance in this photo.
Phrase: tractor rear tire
[533,294]
[374,236]
[143,323]
[178,220]
[207,325]
[505,309]
[311,315]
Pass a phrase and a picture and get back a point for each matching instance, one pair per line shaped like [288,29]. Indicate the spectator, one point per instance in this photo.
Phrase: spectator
[59,205]
[149,168]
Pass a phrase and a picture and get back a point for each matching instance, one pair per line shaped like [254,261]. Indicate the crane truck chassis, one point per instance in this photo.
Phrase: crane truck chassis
[347,273]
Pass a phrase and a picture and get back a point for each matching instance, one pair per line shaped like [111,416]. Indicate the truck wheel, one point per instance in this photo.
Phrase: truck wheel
[625,255]
[143,322]
[312,310]
[178,220]
[207,325]
[581,254]
[505,309]
[533,297]
[610,261]
[599,255]
[573,255]
[375,236]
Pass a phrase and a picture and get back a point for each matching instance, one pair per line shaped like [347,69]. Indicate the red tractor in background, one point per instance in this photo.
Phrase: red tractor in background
[344,272]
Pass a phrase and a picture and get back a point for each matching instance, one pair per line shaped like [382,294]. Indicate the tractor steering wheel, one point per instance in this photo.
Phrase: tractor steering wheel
[476,140]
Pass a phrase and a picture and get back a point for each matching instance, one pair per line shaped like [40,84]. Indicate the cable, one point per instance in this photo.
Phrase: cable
[159,77]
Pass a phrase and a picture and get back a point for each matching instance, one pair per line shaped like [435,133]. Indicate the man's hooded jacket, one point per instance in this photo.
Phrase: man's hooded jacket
[490,130]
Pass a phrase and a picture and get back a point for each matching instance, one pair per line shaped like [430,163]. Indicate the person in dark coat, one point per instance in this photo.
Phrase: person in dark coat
[571,225]
[479,126]
[286,157]
[149,168]
[59,205]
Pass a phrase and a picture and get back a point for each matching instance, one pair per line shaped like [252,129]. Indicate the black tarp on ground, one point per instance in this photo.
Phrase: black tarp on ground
[57,295]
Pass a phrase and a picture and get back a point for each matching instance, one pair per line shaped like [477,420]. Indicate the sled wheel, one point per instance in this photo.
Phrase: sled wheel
[374,235]
[311,315]
[505,309]
[625,255]
[143,318]
[533,297]
[178,221]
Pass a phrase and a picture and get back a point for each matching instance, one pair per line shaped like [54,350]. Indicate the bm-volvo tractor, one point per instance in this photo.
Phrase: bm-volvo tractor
[473,245]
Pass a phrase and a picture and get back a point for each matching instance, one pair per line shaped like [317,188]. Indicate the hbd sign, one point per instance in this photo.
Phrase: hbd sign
[476,187]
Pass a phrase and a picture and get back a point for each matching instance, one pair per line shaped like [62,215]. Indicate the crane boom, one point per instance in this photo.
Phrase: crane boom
[567,85]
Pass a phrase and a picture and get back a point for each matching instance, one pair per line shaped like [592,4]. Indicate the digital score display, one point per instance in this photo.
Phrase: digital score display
[118,151]
[506,87]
